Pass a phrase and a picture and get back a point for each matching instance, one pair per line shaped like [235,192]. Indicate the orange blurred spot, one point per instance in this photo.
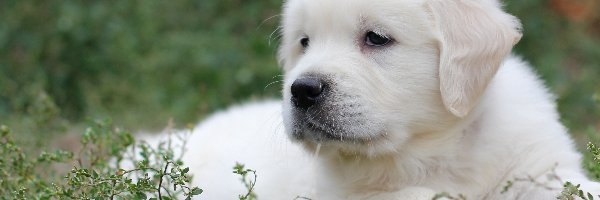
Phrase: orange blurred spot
[576,10]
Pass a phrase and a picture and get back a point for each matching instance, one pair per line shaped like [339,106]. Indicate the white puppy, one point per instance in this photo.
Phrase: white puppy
[394,100]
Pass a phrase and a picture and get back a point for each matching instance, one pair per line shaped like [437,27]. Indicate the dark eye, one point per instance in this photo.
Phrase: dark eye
[304,42]
[374,39]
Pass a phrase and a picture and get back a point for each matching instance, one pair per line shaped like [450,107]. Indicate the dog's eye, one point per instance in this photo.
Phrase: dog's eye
[374,39]
[304,42]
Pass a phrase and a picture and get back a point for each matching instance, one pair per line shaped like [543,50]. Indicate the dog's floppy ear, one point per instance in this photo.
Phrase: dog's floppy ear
[475,36]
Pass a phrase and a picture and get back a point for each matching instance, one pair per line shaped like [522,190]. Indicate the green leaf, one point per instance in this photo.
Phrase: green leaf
[179,162]
[141,195]
[196,191]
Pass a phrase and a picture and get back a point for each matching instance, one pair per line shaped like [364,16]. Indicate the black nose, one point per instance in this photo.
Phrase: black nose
[306,92]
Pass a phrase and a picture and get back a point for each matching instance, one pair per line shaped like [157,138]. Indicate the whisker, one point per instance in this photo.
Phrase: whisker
[279,75]
[273,33]
[313,166]
[272,84]
[317,151]
[266,20]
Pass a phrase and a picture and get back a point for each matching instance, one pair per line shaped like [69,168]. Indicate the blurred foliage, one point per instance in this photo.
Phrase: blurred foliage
[142,62]
[138,61]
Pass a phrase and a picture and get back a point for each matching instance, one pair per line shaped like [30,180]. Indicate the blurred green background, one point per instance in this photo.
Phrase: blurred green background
[143,62]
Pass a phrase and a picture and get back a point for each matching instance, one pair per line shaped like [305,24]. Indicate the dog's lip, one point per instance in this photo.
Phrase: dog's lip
[309,127]
[307,130]
[318,129]
[315,133]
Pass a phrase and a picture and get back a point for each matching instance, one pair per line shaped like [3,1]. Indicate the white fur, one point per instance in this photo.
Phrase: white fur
[442,109]
[251,134]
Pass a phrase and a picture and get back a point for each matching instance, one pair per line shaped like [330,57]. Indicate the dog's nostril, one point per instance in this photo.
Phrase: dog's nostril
[305,92]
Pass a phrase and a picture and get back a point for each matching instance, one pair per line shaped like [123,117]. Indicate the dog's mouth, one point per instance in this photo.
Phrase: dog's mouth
[312,130]
[327,115]
[323,133]
[306,129]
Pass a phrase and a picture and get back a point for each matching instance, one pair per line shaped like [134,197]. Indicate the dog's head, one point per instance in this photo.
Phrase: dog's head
[367,76]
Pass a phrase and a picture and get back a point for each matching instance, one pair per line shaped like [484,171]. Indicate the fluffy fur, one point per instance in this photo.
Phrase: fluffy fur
[442,108]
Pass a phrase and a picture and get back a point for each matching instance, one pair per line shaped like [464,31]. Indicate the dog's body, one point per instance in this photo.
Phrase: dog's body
[395,100]
[515,134]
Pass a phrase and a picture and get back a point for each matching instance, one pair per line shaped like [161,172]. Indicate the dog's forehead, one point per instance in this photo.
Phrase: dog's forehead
[315,15]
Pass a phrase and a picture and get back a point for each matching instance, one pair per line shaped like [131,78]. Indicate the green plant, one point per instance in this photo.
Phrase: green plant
[248,183]
[570,192]
[445,195]
[593,164]
[96,171]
